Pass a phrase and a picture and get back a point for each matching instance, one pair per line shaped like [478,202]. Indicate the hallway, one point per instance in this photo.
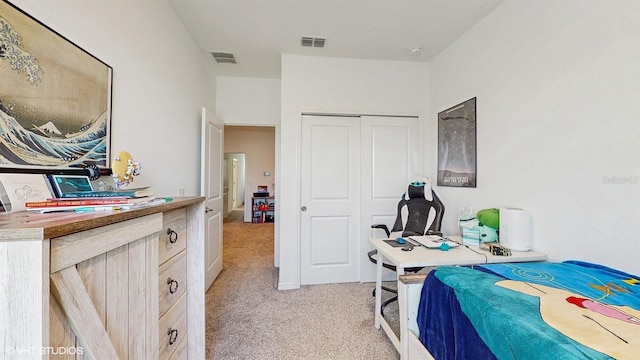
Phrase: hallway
[235,216]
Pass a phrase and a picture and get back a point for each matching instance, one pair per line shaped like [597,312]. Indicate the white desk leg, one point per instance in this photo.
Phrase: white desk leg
[378,305]
[403,348]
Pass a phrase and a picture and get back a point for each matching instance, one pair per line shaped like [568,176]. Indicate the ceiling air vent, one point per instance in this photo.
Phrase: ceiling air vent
[226,58]
[312,41]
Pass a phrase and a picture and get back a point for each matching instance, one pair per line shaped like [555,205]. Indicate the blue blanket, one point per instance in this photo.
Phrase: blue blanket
[552,310]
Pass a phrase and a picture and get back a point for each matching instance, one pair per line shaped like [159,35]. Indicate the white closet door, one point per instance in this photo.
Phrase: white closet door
[390,160]
[330,200]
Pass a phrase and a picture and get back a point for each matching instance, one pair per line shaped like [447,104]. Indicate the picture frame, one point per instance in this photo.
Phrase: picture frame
[55,98]
[17,189]
[457,145]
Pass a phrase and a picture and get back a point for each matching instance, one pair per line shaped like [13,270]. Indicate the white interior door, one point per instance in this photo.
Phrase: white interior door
[330,199]
[211,188]
[234,182]
[225,186]
[390,160]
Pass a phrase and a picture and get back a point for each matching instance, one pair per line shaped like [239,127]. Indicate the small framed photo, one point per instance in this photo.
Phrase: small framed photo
[17,189]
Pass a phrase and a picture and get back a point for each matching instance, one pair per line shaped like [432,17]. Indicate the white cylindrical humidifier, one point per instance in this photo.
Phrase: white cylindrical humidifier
[515,229]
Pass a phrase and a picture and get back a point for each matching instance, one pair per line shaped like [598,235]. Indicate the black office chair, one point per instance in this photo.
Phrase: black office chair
[418,214]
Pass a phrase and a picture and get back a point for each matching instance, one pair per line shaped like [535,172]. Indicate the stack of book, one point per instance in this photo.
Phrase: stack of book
[144,192]
[89,201]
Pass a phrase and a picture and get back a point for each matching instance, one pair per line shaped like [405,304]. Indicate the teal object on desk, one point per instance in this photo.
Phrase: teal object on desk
[445,247]
[91,209]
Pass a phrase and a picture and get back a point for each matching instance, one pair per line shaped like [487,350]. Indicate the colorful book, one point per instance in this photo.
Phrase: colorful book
[78,209]
[77,202]
[131,204]
[134,193]
[90,198]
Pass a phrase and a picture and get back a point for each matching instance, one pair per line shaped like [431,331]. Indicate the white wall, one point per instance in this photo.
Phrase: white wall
[248,101]
[330,85]
[160,81]
[558,110]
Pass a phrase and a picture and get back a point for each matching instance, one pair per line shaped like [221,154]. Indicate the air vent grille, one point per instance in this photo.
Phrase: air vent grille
[312,41]
[307,41]
[226,58]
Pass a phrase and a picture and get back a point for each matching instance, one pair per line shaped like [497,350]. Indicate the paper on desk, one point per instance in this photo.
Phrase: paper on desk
[17,189]
[432,241]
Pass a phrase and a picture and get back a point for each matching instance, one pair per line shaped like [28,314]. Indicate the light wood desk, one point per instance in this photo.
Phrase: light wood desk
[420,256]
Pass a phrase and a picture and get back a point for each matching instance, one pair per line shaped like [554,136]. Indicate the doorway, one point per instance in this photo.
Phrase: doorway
[234,181]
[254,149]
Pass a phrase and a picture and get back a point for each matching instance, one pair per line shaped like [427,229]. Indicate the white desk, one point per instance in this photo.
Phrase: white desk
[422,257]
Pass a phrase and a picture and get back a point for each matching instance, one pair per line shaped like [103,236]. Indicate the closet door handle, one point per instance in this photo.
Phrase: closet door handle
[303,208]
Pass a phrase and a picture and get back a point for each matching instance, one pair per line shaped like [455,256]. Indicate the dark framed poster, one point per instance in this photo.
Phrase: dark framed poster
[457,145]
[55,98]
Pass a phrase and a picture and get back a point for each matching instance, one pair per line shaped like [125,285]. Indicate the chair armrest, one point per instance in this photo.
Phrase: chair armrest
[383,227]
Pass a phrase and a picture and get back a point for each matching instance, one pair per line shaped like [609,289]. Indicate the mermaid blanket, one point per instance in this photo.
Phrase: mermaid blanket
[568,310]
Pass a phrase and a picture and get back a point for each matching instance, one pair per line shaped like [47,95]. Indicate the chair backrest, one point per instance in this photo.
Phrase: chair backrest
[419,211]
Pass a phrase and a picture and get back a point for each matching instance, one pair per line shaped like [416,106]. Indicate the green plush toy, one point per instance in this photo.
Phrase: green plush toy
[488,224]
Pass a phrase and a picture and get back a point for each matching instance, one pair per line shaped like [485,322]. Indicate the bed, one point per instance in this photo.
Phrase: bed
[568,310]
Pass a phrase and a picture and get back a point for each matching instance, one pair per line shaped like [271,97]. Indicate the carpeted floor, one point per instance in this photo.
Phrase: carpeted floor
[248,318]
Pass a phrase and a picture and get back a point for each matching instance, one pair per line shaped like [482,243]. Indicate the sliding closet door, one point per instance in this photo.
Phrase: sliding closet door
[353,172]
[330,199]
[390,160]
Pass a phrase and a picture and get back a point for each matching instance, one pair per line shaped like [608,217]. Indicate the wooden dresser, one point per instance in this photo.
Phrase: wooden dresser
[104,285]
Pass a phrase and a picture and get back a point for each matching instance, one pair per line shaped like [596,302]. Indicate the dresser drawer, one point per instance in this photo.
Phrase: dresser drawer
[173,236]
[172,281]
[173,328]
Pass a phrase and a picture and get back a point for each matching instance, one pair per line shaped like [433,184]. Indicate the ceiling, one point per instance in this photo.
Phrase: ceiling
[257,32]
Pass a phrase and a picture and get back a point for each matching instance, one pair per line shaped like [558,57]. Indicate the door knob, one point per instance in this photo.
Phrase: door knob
[207,209]
[303,208]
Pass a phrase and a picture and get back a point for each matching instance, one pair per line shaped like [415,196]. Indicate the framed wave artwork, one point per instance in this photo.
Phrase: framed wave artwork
[55,98]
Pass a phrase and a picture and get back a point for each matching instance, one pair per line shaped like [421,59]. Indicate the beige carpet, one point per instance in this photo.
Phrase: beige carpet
[248,318]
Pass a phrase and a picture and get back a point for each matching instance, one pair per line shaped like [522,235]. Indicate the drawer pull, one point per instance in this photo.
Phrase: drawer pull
[173,335]
[173,236]
[173,285]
